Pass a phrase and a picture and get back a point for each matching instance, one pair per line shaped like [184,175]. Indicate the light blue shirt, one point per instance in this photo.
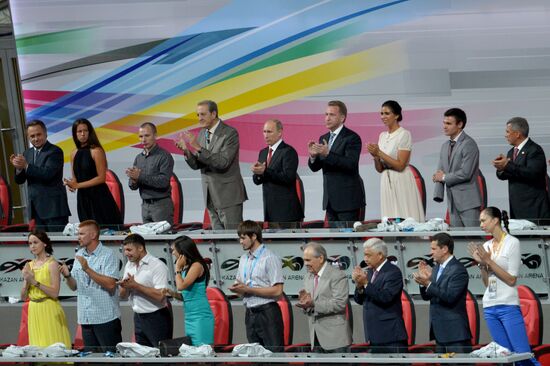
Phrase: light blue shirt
[95,304]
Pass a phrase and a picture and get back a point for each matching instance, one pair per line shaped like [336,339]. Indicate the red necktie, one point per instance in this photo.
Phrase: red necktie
[516,152]
[269,155]
[374,275]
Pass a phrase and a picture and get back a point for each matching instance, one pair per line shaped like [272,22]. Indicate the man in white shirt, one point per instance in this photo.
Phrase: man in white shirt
[144,278]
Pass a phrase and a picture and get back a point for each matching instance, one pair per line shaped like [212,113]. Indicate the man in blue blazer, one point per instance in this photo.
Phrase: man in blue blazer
[337,154]
[379,291]
[446,288]
[41,166]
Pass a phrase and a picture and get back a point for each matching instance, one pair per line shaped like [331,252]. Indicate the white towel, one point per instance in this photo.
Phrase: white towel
[250,350]
[200,351]
[130,349]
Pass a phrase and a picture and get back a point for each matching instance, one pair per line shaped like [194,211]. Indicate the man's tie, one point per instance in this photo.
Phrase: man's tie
[452,144]
[269,156]
[208,135]
[315,283]
[36,151]
[374,275]
[331,139]
[439,272]
[516,152]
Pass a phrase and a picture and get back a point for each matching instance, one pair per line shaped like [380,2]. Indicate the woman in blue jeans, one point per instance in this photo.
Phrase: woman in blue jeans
[499,260]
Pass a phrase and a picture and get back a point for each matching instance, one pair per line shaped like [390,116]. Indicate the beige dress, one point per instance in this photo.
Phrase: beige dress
[399,195]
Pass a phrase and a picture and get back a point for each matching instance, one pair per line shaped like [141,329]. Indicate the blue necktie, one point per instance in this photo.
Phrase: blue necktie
[207,134]
[439,272]
[331,139]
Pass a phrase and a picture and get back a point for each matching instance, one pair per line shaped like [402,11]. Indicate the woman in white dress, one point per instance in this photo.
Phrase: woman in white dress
[399,195]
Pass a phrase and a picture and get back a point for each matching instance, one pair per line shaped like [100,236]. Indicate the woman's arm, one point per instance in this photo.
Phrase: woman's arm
[398,164]
[98,154]
[193,273]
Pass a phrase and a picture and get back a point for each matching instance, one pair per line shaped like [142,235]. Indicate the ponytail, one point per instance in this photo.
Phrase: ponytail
[505,220]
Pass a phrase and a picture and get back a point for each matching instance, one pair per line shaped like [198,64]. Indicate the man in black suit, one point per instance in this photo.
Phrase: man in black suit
[446,288]
[379,291]
[41,166]
[276,170]
[337,154]
[525,169]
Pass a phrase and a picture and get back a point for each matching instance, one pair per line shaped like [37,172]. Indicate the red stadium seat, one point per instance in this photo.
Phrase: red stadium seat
[421,185]
[112,181]
[23,337]
[223,316]
[78,342]
[5,202]
[177,198]
[409,317]
[288,318]
[531,310]
[472,310]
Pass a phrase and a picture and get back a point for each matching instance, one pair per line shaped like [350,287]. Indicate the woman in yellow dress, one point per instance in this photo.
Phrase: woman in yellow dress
[46,321]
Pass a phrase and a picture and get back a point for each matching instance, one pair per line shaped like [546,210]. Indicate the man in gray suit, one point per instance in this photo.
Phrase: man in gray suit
[324,300]
[216,153]
[458,170]
[41,166]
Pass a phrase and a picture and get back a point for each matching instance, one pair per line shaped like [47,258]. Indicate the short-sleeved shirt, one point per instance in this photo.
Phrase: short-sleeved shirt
[96,305]
[509,259]
[391,143]
[262,268]
[151,272]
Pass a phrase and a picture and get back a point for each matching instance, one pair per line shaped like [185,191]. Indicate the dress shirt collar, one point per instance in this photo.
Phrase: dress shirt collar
[255,253]
[96,251]
[322,270]
[213,129]
[338,130]
[146,152]
[145,259]
[276,145]
[444,264]
[520,146]
[381,265]
[457,136]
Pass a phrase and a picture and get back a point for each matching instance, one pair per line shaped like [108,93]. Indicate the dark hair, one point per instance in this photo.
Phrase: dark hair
[212,106]
[44,238]
[341,107]
[458,114]
[93,141]
[395,108]
[134,239]
[520,125]
[150,125]
[444,240]
[37,122]
[186,246]
[90,223]
[249,228]
[494,212]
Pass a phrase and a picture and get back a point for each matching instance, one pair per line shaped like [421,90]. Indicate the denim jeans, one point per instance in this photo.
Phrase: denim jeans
[507,328]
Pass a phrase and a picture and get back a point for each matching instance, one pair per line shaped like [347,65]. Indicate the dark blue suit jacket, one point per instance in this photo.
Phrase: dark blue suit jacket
[382,311]
[44,177]
[448,316]
[281,203]
[342,186]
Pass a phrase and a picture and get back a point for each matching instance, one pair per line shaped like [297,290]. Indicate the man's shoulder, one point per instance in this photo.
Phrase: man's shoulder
[48,146]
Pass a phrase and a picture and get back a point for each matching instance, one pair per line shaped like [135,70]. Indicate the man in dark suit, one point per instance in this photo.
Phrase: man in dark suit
[525,169]
[41,166]
[446,288]
[337,154]
[457,171]
[216,153]
[379,291]
[276,170]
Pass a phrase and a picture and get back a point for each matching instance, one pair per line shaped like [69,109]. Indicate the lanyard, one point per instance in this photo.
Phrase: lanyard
[497,250]
[252,266]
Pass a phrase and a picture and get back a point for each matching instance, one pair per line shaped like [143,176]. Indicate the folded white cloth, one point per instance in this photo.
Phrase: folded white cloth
[57,350]
[200,351]
[131,349]
[514,224]
[250,350]
[410,224]
[13,351]
[71,229]
[151,228]
[491,350]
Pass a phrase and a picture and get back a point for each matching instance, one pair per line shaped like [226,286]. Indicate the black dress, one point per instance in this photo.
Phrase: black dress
[93,203]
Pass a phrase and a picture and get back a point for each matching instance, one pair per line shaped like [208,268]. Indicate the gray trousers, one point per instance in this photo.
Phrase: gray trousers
[466,218]
[159,210]
[225,218]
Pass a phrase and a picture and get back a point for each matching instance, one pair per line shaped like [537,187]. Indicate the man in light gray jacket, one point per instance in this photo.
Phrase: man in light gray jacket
[457,170]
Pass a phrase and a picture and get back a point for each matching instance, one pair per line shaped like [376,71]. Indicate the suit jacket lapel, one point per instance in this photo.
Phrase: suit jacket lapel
[339,138]
[277,154]
[457,146]
[522,155]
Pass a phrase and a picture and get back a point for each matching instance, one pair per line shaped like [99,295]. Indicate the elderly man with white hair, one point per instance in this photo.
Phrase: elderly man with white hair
[379,291]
